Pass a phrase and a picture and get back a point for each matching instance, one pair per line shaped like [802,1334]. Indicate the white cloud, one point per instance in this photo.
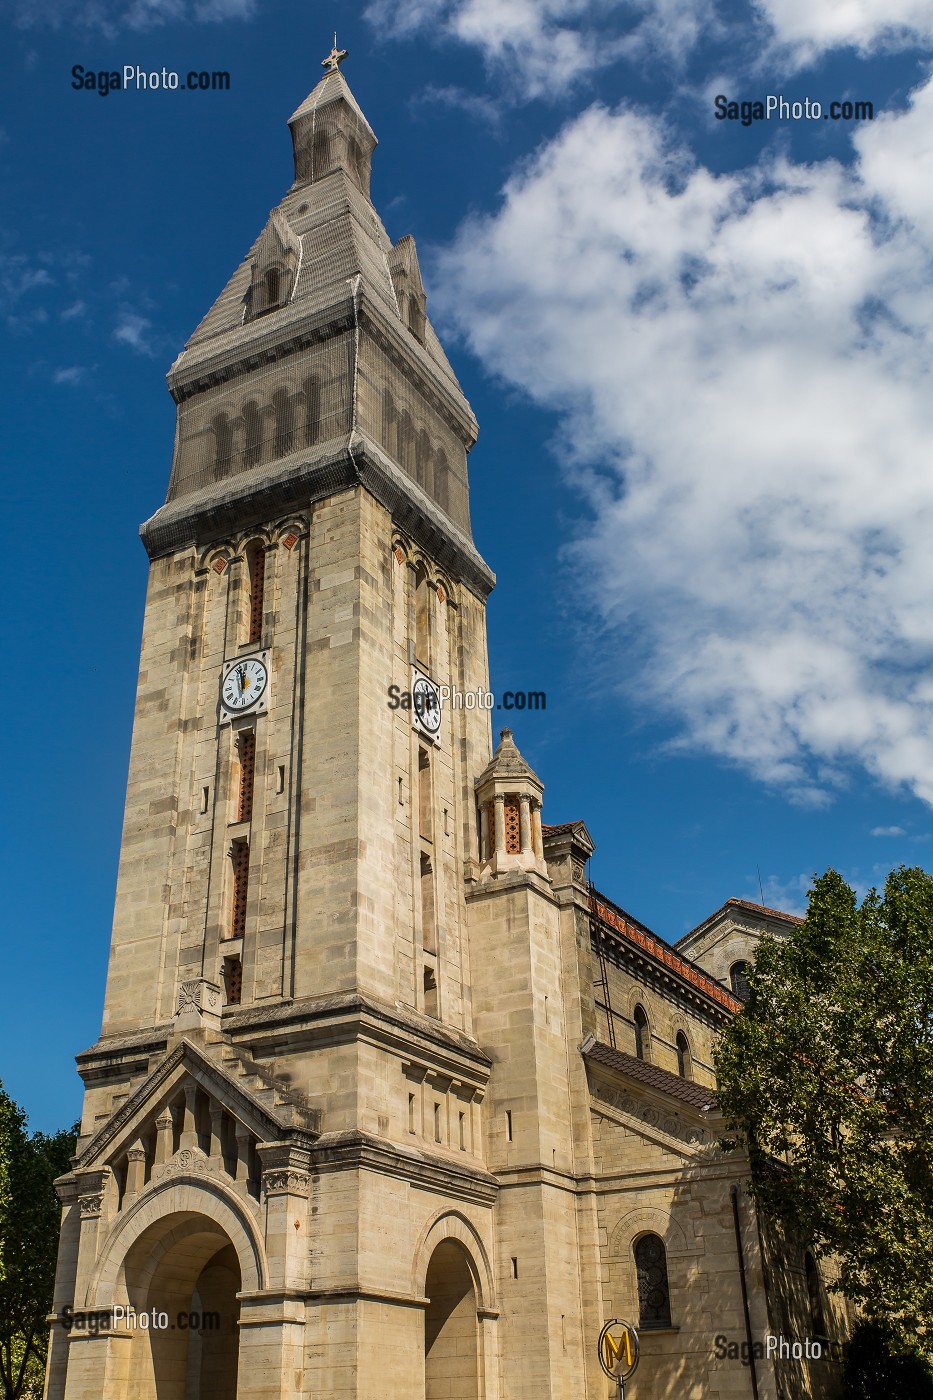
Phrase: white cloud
[745,359]
[76,311]
[110,16]
[73,374]
[887,831]
[807,29]
[133,330]
[546,46]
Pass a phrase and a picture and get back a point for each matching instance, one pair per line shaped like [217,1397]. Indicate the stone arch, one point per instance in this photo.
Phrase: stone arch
[620,1266]
[220,552]
[181,1197]
[647,1220]
[447,1226]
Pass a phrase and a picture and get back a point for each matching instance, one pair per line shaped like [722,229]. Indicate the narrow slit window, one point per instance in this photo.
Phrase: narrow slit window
[280,779]
[684,1059]
[514,1267]
[430,992]
[642,1033]
[462,1132]
[411,1113]
[240,858]
[233,980]
[257,581]
[508,1123]
[437,1122]
[428,908]
[205,798]
[246,749]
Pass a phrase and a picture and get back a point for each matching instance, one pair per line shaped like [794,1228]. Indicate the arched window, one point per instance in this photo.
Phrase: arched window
[423,461]
[283,409]
[642,1033]
[814,1296]
[441,480]
[272,282]
[684,1058]
[389,424]
[738,978]
[312,411]
[406,442]
[252,425]
[223,443]
[654,1294]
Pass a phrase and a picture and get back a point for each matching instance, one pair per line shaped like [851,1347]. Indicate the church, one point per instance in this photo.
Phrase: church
[389,1103]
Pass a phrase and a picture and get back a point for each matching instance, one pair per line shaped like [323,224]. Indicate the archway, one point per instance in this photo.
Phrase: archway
[451,1339]
[183,1275]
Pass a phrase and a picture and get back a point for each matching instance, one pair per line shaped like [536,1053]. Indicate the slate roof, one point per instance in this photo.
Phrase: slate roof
[697,1095]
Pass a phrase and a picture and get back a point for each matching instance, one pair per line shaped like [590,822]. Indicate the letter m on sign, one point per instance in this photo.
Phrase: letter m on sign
[617,1347]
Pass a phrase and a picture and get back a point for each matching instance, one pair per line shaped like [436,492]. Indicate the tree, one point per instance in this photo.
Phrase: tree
[876,1368]
[29,1226]
[827,1077]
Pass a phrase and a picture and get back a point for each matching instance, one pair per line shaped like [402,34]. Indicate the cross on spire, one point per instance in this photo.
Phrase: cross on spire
[334,59]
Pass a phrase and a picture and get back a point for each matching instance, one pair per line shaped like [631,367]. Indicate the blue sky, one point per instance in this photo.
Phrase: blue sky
[699,353]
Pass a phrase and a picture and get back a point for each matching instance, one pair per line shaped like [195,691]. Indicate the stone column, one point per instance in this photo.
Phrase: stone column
[524,822]
[538,833]
[135,1171]
[500,824]
[242,1153]
[164,1135]
[217,1147]
[189,1122]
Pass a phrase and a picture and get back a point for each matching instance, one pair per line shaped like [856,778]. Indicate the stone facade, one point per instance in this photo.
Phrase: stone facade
[385,1094]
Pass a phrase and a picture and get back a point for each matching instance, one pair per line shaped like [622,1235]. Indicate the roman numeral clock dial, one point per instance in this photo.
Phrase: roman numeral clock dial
[244,686]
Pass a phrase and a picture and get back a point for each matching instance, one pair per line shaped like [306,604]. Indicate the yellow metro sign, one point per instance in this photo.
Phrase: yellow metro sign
[618,1350]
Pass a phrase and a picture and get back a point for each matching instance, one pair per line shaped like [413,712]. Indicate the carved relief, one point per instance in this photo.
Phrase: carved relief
[651,1116]
[296,1183]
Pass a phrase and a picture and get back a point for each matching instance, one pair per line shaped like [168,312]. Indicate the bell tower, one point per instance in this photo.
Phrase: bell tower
[285,1099]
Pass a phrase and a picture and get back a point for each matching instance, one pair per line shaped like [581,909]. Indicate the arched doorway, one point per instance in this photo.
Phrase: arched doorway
[451,1340]
[183,1274]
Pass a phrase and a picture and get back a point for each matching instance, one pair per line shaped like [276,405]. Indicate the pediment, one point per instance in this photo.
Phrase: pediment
[186,1066]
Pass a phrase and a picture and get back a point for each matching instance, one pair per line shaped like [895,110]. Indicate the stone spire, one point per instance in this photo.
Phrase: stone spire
[509,795]
[329,131]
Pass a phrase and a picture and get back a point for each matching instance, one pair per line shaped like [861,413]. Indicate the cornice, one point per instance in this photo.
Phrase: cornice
[355,1151]
[296,481]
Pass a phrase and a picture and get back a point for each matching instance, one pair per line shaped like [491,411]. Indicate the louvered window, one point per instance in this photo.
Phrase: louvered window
[513,827]
[240,885]
[257,579]
[233,980]
[246,747]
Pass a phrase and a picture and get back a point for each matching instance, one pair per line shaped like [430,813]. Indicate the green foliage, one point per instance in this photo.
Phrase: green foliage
[877,1368]
[29,1226]
[827,1076]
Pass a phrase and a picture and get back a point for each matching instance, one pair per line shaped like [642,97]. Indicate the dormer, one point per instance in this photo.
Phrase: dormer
[409,288]
[273,268]
[329,132]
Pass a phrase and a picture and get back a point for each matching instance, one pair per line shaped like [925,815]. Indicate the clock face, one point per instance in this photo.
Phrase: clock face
[244,685]
[427,704]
